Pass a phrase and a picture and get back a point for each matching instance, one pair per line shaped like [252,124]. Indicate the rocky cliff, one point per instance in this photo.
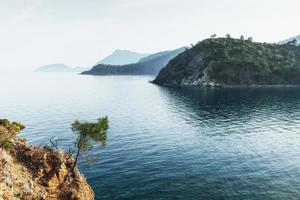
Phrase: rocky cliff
[233,62]
[28,172]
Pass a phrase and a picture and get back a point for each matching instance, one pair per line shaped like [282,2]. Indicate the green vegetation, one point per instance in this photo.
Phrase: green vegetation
[87,133]
[228,61]
[8,131]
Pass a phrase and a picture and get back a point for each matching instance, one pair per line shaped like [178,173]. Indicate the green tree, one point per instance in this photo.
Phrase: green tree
[213,36]
[87,133]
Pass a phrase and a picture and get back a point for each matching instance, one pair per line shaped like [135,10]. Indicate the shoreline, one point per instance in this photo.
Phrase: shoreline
[227,86]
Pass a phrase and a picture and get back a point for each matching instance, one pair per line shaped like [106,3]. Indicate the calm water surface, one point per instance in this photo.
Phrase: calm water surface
[168,143]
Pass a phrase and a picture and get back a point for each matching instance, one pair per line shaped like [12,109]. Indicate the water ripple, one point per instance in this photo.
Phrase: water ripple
[168,143]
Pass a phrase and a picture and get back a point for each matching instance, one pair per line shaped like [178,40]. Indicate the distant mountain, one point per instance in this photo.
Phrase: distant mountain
[297,38]
[160,54]
[122,57]
[233,62]
[59,68]
[151,64]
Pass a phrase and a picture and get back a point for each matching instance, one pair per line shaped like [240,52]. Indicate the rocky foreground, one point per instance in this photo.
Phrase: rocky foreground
[28,172]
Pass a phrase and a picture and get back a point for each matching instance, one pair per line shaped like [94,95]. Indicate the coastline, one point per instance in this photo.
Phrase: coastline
[30,172]
[227,86]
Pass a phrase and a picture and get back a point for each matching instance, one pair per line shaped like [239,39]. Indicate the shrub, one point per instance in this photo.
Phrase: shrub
[8,132]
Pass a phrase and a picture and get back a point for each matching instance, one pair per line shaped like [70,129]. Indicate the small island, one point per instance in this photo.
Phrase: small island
[229,62]
[59,68]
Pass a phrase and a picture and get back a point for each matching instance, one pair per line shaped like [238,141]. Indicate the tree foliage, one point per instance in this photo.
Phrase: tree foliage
[213,36]
[229,61]
[292,42]
[87,133]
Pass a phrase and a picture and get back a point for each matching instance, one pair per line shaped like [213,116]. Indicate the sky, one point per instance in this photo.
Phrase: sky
[81,32]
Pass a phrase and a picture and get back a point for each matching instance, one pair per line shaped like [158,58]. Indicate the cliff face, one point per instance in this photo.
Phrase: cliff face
[28,172]
[233,62]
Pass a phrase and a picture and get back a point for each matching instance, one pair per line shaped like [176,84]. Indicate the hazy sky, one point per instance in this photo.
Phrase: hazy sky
[81,32]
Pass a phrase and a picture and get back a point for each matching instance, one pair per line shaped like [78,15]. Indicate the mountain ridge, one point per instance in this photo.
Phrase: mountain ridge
[122,57]
[150,65]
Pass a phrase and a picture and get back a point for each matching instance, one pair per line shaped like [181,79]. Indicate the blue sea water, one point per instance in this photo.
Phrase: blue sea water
[167,143]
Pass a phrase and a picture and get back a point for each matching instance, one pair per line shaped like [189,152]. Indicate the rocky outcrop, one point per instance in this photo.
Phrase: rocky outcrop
[233,62]
[28,172]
